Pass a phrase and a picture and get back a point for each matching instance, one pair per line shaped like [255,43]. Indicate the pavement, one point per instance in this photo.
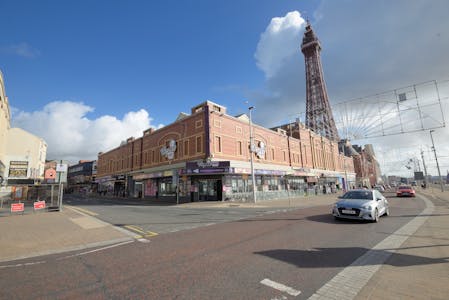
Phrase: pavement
[417,269]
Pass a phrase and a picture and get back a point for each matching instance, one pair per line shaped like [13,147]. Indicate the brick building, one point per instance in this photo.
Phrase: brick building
[207,155]
[81,176]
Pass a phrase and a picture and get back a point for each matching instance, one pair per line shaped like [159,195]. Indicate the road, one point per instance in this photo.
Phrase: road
[241,254]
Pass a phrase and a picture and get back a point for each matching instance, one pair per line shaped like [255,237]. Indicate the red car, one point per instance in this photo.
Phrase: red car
[405,190]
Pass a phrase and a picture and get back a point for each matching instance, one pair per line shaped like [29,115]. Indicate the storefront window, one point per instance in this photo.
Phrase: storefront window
[166,187]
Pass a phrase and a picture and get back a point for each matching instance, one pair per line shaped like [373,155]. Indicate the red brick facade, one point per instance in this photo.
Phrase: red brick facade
[212,136]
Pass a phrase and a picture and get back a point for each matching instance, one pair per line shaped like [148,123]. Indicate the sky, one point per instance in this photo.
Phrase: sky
[86,75]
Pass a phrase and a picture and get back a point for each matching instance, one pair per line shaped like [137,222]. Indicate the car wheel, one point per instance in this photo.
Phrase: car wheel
[387,211]
[376,216]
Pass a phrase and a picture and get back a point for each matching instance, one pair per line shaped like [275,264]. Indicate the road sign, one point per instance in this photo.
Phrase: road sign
[61,167]
[39,205]
[17,207]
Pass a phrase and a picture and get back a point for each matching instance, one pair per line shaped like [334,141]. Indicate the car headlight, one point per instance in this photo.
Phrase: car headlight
[368,207]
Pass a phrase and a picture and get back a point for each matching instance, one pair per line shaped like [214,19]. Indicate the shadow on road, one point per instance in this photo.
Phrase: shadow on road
[343,257]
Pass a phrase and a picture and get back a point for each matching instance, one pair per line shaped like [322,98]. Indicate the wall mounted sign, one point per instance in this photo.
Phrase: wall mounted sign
[169,151]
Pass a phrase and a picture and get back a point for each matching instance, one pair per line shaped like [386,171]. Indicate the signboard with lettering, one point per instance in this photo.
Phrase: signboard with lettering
[61,168]
[17,207]
[207,167]
[39,205]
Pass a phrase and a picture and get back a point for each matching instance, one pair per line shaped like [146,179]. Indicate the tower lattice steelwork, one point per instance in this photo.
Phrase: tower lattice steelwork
[318,112]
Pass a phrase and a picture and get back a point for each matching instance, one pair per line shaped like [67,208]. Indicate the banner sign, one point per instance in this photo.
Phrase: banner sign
[17,207]
[39,205]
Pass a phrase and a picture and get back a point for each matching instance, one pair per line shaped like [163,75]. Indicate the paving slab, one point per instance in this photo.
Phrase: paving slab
[30,235]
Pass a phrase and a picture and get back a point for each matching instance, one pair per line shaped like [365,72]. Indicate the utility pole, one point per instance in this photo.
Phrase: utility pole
[424,166]
[251,151]
[436,159]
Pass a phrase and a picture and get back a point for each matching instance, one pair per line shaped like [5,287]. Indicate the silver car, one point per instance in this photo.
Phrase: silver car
[361,205]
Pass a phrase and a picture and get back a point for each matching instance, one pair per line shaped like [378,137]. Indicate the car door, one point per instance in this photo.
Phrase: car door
[380,203]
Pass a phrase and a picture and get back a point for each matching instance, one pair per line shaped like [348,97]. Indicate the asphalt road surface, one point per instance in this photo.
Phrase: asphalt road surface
[244,254]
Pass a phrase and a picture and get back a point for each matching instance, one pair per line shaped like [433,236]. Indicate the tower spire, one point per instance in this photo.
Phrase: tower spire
[319,116]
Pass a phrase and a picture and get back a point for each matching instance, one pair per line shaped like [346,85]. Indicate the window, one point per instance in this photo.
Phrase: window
[198,123]
[186,148]
[217,123]
[218,143]
[283,153]
[239,148]
[272,154]
[199,147]
[238,129]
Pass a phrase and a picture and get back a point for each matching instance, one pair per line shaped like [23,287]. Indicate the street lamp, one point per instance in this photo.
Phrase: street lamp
[436,159]
[251,151]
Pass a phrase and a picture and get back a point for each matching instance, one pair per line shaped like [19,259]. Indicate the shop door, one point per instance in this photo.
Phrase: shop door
[210,189]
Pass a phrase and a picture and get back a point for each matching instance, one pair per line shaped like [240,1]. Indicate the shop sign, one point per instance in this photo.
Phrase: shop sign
[104,179]
[208,167]
[141,176]
[167,173]
[269,172]
[242,171]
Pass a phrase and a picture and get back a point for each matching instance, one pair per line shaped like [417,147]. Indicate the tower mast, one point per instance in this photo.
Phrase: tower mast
[319,116]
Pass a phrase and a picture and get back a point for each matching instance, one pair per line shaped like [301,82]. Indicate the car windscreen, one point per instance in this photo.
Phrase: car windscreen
[405,187]
[363,195]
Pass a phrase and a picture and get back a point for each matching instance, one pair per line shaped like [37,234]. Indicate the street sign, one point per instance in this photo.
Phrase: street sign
[39,205]
[17,207]
[61,167]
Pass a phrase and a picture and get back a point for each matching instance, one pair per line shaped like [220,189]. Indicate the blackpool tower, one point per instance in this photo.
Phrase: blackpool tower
[318,111]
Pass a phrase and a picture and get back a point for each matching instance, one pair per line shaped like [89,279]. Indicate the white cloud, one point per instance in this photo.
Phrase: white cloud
[21,49]
[279,43]
[71,135]
[368,47]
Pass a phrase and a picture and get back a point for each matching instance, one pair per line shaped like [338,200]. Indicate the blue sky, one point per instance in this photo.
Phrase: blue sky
[119,56]
[87,74]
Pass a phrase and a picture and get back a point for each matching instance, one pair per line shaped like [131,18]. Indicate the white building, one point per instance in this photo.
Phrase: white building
[4,127]
[22,154]
[25,155]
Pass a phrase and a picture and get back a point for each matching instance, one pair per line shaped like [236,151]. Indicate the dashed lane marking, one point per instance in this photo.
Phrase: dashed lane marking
[280,287]
[23,265]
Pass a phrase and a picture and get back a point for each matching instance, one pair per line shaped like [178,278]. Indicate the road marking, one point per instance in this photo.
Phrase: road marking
[350,281]
[280,287]
[143,233]
[23,265]
[96,250]
[82,210]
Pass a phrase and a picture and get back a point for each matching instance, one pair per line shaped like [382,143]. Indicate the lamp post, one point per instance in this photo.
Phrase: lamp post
[436,159]
[251,151]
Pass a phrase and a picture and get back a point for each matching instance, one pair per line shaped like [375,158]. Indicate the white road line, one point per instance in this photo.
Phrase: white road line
[96,250]
[280,287]
[143,240]
[350,281]
[23,265]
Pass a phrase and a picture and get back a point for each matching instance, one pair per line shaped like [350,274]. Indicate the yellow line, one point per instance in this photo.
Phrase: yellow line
[140,230]
[151,233]
[79,209]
